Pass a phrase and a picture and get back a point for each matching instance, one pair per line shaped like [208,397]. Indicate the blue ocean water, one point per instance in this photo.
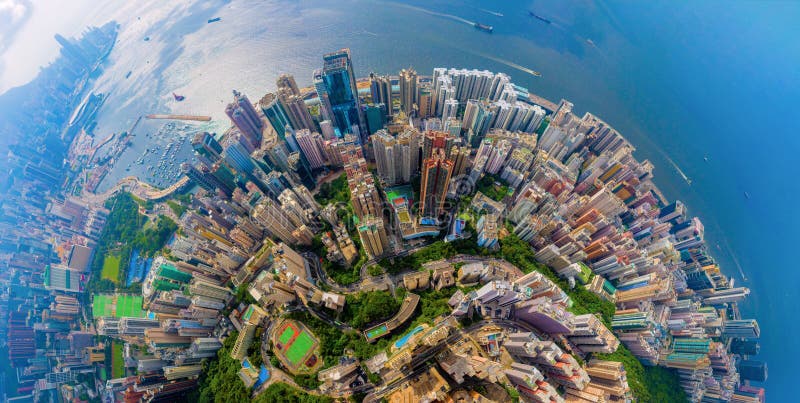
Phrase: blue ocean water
[705,90]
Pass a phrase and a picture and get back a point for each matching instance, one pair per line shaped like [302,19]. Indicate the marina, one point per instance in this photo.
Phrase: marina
[154,154]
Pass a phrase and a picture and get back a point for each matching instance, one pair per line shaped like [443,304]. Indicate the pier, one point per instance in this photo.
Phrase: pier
[197,118]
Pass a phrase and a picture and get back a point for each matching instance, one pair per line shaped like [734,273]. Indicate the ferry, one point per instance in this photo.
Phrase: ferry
[539,17]
[482,27]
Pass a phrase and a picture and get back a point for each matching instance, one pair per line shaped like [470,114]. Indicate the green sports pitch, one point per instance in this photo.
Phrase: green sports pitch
[300,347]
[287,335]
[117,306]
[296,347]
[111,267]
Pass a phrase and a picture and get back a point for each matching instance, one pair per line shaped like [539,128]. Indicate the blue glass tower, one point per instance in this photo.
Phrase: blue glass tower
[339,84]
[276,114]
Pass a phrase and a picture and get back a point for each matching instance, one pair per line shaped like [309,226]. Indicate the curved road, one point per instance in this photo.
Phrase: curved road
[391,280]
[139,189]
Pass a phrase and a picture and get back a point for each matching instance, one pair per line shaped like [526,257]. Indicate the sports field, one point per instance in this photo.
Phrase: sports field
[403,191]
[117,361]
[117,306]
[129,306]
[299,348]
[103,305]
[296,347]
[111,268]
[287,335]
[376,332]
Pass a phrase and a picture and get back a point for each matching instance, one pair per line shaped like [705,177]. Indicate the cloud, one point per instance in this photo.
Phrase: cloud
[13,14]
[12,10]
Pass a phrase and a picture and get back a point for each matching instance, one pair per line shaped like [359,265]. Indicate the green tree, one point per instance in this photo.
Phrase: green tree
[368,307]
[282,393]
[220,382]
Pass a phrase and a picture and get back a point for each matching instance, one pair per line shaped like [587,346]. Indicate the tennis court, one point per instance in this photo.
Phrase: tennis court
[299,348]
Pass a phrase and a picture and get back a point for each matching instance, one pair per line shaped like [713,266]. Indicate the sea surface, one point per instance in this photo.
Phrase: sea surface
[708,91]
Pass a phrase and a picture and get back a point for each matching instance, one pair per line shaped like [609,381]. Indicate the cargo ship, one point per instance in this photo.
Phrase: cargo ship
[214,20]
[539,17]
[482,27]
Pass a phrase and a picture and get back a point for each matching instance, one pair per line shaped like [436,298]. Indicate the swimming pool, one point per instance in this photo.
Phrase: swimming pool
[403,340]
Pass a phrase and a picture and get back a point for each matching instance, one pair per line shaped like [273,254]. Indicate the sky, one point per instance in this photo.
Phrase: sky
[13,15]
[27,29]
[753,64]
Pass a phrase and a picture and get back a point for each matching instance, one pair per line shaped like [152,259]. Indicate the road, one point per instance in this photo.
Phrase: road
[368,281]
[139,189]
[392,280]
[421,363]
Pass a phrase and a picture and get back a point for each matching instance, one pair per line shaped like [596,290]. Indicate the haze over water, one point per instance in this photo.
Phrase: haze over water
[682,81]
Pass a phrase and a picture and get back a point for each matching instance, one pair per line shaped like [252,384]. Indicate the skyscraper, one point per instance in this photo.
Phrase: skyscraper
[280,223]
[295,107]
[383,145]
[437,139]
[238,157]
[286,81]
[376,117]
[245,117]
[311,146]
[408,90]
[322,93]
[380,88]
[436,172]
[277,153]
[450,109]
[275,113]
[397,158]
[204,179]
[478,117]
[460,157]
[373,236]
[340,87]
[328,132]
[424,99]
[207,148]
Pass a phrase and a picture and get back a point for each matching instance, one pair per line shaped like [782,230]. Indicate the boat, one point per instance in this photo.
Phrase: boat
[747,195]
[177,97]
[128,74]
[539,17]
[482,27]
[705,158]
[214,20]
